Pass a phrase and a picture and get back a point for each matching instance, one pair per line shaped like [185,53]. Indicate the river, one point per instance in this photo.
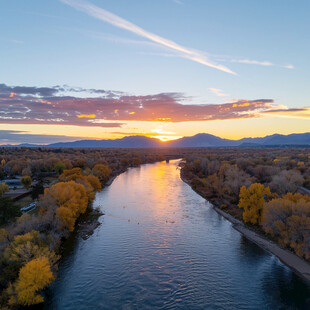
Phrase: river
[162,246]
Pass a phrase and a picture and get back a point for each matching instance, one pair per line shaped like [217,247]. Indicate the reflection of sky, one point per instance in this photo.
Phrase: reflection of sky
[52,43]
[161,244]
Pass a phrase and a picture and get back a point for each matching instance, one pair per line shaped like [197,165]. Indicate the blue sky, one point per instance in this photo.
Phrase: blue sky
[48,43]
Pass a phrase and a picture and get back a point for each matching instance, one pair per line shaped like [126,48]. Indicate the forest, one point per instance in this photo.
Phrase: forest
[268,189]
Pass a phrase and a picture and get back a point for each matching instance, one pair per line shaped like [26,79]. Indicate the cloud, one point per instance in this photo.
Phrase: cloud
[253,62]
[16,137]
[113,109]
[218,92]
[289,67]
[300,113]
[99,13]
[264,63]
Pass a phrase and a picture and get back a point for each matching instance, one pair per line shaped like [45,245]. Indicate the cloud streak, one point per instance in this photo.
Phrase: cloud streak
[16,137]
[218,92]
[264,63]
[188,53]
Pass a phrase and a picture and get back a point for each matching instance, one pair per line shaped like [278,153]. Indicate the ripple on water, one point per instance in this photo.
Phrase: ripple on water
[161,246]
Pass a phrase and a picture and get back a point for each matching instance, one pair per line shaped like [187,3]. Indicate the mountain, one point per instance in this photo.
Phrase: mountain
[202,140]
[199,140]
[126,142]
[276,139]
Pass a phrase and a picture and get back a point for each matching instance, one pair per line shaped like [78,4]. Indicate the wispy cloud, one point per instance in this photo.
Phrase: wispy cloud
[218,92]
[299,113]
[17,137]
[263,63]
[178,2]
[253,62]
[188,53]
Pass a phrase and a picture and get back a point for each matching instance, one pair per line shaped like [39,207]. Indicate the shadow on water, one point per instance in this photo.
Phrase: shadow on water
[278,281]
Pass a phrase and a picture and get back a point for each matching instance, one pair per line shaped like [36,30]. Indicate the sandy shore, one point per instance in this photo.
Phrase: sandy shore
[299,265]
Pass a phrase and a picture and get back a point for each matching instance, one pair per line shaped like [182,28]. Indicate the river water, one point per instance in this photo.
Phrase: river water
[162,246]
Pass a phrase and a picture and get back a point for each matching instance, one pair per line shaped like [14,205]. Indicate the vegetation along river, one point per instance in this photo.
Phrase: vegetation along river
[162,246]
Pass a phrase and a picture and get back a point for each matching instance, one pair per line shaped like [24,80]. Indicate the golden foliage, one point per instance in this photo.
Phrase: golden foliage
[27,247]
[3,188]
[252,201]
[72,200]
[102,171]
[33,277]
[287,219]
[70,175]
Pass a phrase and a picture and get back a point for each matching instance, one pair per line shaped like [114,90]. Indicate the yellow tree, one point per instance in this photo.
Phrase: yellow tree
[72,200]
[102,172]
[3,188]
[72,174]
[33,277]
[252,200]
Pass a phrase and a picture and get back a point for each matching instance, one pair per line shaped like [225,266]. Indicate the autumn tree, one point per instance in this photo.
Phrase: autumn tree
[252,201]
[26,181]
[59,167]
[286,181]
[287,220]
[72,200]
[102,171]
[70,175]
[3,188]
[27,247]
[33,277]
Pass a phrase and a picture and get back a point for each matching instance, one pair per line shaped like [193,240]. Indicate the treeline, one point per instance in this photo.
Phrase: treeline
[30,244]
[266,188]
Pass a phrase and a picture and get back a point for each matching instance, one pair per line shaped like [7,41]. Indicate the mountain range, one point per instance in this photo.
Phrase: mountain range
[199,140]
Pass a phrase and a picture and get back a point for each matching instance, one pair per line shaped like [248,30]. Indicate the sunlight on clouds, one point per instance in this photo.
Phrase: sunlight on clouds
[86,116]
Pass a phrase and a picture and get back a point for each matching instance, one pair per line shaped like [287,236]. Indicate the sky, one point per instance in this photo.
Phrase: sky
[102,69]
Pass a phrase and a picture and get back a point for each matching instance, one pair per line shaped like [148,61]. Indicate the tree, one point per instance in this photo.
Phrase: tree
[59,167]
[27,247]
[69,175]
[33,277]
[3,188]
[26,181]
[286,181]
[8,210]
[287,220]
[252,200]
[102,171]
[72,200]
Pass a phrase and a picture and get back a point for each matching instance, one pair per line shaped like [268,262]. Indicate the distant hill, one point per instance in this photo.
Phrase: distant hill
[199,140]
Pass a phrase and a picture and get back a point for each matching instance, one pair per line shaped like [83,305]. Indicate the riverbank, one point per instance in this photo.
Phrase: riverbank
[299,265]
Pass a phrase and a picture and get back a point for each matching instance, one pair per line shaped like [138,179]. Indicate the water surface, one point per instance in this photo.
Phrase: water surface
[162,246]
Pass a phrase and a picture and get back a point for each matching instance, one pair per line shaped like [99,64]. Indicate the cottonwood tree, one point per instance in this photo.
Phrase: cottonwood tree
[252,201]
[33,277]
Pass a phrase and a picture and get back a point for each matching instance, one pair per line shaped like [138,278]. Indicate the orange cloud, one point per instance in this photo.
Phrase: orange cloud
[86,116]
[246,104]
